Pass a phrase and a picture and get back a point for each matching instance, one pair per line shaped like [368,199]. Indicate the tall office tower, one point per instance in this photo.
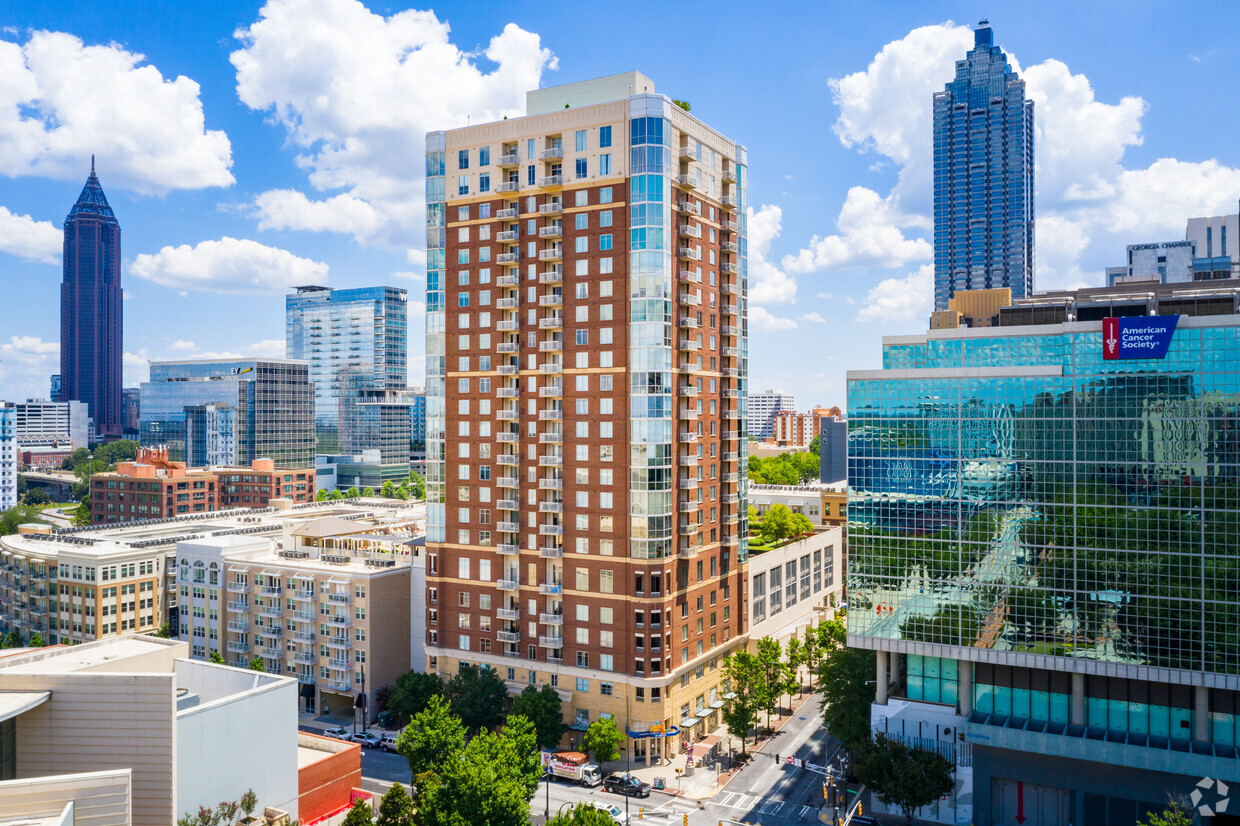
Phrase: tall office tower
[8,455]
[131,403]
[762,410]
[586,378]
[248,408]
[90,309]
[1042,549]
[54,387]
[983,177]
[350,338]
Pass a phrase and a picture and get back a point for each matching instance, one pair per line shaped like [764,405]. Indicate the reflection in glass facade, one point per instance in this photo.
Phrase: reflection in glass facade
[1028,497]
[271,403]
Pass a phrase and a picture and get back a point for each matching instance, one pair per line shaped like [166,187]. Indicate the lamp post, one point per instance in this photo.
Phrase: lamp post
[547,787]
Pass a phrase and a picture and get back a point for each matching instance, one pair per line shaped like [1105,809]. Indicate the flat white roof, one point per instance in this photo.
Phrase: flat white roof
[63,659]
[13,703]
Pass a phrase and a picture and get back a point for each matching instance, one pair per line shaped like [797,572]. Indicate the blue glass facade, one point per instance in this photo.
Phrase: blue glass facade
[983,177]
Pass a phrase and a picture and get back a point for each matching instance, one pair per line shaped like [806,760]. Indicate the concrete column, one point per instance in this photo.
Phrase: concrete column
[1201,714]
[964,669]
[880,679]
[1078,699]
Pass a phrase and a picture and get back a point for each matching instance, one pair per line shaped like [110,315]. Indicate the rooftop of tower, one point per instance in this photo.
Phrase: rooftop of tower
[92,203]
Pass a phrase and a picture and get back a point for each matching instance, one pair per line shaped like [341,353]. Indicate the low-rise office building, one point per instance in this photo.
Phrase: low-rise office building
[824,504]
[134,732]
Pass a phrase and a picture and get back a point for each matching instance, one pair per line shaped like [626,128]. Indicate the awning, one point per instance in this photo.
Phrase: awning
[717,704]
[337,580]
[306,690]
[731,695]
[303,576]
[275,574]
[704,713]
[688,722]
[13,703]
[237,569]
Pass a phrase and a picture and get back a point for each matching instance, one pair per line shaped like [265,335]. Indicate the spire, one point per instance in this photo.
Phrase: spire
[92,203]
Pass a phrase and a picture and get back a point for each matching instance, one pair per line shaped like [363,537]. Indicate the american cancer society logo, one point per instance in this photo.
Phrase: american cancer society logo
[1139,337]
[1209,798]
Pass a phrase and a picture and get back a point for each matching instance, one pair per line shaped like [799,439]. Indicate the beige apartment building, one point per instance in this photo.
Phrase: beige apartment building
[586,424]
[327,601]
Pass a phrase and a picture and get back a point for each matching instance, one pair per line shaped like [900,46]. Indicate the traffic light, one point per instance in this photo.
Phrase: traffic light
[859,812]
[686,821]
[802,762]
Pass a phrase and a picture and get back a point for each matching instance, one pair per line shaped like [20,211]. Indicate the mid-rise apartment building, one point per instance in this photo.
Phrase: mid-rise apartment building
[154,487]
[259,408]
[586,420]
[792,429]
[762,409]
[1042,550]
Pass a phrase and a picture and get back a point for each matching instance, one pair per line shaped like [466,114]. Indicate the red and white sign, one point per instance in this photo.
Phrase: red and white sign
[1110,338]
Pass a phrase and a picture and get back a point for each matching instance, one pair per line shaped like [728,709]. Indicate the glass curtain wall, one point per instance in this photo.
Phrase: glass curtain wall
[435,365]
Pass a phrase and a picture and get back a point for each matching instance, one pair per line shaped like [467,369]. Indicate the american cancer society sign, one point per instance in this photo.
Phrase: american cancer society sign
[1139,337]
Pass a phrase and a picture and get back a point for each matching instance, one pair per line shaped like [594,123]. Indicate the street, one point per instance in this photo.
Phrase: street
[764,793]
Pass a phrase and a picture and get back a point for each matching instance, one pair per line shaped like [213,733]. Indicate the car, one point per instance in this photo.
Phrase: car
[388,741]
[340,733]
[627,785]
[368,739]
[616,814]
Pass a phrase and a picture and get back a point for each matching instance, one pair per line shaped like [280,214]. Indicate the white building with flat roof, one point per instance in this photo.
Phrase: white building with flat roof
[43,423]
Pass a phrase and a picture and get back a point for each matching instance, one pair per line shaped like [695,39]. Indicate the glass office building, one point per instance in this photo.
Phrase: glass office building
[350,338]
[1046,543]
[267,403]
[983,177]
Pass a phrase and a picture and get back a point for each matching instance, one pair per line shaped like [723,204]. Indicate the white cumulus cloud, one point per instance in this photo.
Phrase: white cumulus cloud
[136,367]
[229,265]
[900,299]
[869,236]
[763,321]
[62,100]
[357,92]
[815,318]
[24,237]
[768,284]
[26,365]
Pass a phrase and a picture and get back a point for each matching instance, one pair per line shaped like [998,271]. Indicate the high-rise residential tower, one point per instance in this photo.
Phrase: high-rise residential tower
[762,409]
[586,382]
[983,177]
[90,309]
[353,340]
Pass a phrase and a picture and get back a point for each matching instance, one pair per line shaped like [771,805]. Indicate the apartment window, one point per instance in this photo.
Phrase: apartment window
[583,684]
[581,244]
[604,137]
[462,159]
[606,663]
[604,164]
[582,220]
[582,198]
[604,193]
[604,218]
[604,242]
[484,182]
[484,156]
[583,659]
[581,167]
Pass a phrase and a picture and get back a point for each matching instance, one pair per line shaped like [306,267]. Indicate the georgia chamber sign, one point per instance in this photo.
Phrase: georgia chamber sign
[1138,337]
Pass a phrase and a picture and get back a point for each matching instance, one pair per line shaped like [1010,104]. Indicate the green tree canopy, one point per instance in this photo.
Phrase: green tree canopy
[744,677]
[359,814]
[844,673]
[256,664]
[411,693]
[36,640]
[36,497]
[19,515]
[1174,815]
[583,814]
[794,468]
[217,658]
[602,740]
[433,737]
[773,676]
[478,696]
[542,707]
[396,808]
[904,777]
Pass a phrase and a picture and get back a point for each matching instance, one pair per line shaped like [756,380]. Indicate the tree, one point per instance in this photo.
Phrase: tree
[904,777]
[249,801]
[478,696]
[335,495]
[541,706]
[433,737]
[388,491]
[683,104]
[602,740]
[583,814]
[795,656]
[417,486]
[36,496]
[321,496]
[36,640]
[771,670]
[20,515]
[777,524]
[811,653]
[368,491]
[12,640]
[359,814]
[396,808]
[256,664]
[352,493]
[815,445]
[164,632]
[1174,815]
[81,514]
[227,812]
[744,677]
[217,658]
[844,673]
[411,693]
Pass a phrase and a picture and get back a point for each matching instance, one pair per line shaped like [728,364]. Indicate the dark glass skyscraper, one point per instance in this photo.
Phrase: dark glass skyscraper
[983,177]
[90,309]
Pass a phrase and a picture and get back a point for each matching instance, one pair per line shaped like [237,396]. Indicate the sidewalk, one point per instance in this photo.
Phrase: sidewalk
[705,782]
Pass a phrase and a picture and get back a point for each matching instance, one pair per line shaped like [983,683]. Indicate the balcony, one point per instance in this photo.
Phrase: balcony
[731,518]
[307,659]
[730,267]
[509,258]
[508,326]
[692,299]
[269,611]
[550,642]
[508,214]
[555,276]
[507,393]
[555,153]
[731,289]
[238,627]
[508,504]
[551,415]
[690,459]
[689,344]
[508,482]
[508,347]
[731,309]
[271,590]
[507,584]
[550,530]
[555,253]
[507,186]
[507,526]
[551,300]
[730,247]
[508,636]
[730,226]
[269,631]
[730,202]
[551,589]
[730,498]
[339,621]
[689,413]
[549,552]
[509,614]
[553,207]
[731,478]
[731,457]
[690,277]
[339,642]
[238,587]
[238,647]
[507,436]
[551,322]
[688,151]
[690,254]
[551,438]
[508,459]
[553,345]
[553,231]
[551,619]
[508,303]
[731,435]
[690,231]
[508,236]
[688,506]
[340,685]
[731,352]
[508,281]
[551,484]
[303,616]
[686,437]
[550,507]
[686,181]
[340,599]
[304,636]
[507,549]
[729,174]
[302,596]
[689,390]
[690,208]
[731,393]
[551,460]
[551,181]
[511,159]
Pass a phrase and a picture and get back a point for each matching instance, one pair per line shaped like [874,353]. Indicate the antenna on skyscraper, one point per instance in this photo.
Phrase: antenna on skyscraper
[92,164]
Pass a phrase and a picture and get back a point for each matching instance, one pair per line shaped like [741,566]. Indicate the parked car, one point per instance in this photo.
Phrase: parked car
[388,741]
[368,739]
[615,812]
[340,733]
[627,785]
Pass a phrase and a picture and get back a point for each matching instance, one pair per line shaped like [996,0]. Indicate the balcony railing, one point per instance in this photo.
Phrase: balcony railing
[551,619]
[507,584]
[509,614]
[553,207]
[511,159]
[507,548]
[687,181]
[551,181]
[550,552]
[508,636]
[551,588]
[508,186]
[552,154]
[508,214]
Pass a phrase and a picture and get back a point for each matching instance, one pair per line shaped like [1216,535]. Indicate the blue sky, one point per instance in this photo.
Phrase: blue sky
[246,147]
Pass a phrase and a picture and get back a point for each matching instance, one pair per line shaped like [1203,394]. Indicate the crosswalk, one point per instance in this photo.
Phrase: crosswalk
[752,803]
